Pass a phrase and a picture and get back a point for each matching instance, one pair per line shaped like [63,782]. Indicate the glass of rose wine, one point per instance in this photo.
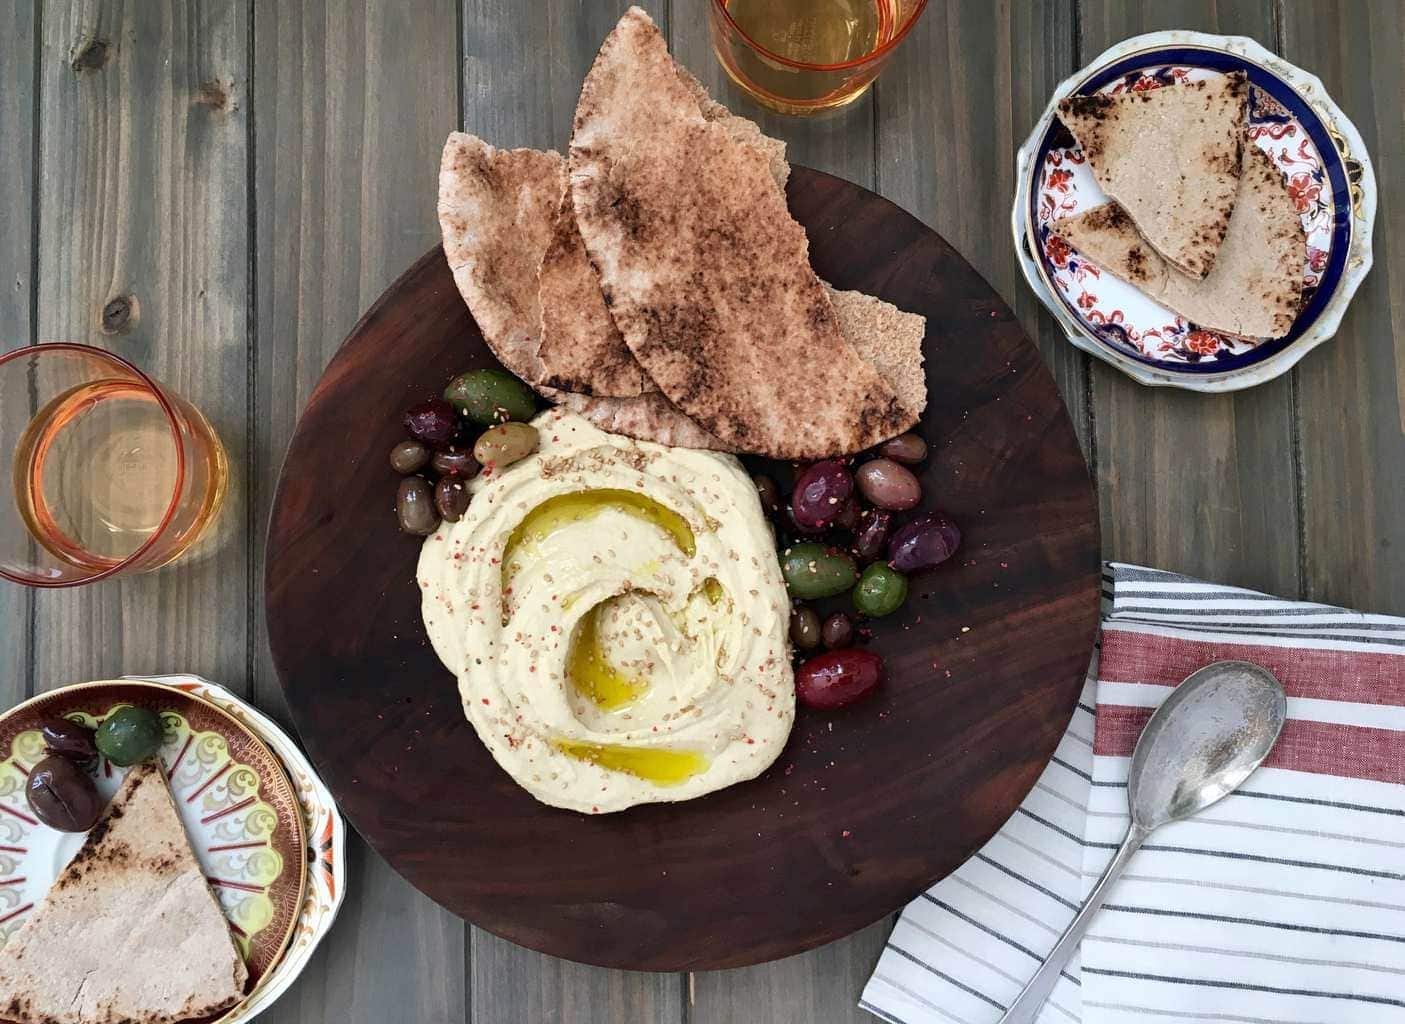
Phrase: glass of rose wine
[111,471]
[808,56]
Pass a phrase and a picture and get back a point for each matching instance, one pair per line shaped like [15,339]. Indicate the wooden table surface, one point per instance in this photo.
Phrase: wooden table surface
[252,173]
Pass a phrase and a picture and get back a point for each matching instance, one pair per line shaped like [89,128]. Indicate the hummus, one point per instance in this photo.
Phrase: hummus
[616,618]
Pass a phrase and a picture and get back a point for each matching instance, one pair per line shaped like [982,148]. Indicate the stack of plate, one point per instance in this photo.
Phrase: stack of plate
[263,825]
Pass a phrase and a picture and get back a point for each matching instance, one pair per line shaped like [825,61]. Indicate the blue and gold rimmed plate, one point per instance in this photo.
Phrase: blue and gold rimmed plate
[1290,117]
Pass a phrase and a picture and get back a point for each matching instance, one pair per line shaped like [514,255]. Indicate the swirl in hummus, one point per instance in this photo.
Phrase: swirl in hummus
[616,618]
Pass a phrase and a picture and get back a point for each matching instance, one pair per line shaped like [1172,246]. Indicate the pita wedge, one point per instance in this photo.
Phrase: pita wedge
[496,211]
[890,339]
[1255,288]
[705,272]
[130,931]
[581,349]
[1171,157]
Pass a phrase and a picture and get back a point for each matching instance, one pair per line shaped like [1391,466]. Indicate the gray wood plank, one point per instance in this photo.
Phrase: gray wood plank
[1203,484]
[958,100]
[19,23]
[143,142]
[823,985]
[352,101]
[522,70]
[1351,392]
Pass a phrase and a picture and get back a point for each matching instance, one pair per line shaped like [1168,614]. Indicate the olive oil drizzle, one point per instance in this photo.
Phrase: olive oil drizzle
[590,671]
[663,766]
[564,510]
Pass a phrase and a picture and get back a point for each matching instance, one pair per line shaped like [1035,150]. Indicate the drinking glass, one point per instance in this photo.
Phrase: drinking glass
[806,56]
[111,471]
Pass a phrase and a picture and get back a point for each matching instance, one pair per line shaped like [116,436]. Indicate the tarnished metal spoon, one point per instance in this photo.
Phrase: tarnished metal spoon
[1205,740]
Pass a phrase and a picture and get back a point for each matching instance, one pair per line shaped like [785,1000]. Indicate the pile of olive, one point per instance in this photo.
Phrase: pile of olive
[840,531]
[60,791]
[437,461]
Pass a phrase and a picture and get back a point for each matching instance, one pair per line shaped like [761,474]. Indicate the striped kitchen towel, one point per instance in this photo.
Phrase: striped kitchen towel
[1285,902]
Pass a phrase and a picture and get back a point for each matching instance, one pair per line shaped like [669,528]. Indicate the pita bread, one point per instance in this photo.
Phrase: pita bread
[890,339]
[581,348]
[1171,157]
[496,211]
[129,931]
[1255,288]
[705,272]
[649,417]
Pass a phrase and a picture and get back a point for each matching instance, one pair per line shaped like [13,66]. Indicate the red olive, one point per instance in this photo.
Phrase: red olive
[837,678]
[820,493]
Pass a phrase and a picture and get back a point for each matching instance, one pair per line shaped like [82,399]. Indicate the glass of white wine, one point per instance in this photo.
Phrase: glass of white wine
[111,471]
[807,56]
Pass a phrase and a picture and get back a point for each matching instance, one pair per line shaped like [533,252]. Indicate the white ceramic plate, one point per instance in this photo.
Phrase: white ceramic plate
[1292,119]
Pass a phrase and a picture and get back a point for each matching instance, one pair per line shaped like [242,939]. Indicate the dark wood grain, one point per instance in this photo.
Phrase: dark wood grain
[381,717]
[143,131]
[1351,391]
[352,102]
[18,98]
[1203,484]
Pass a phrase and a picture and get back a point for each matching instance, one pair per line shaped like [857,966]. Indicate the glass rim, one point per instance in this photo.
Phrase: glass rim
[720,6]
[171,420]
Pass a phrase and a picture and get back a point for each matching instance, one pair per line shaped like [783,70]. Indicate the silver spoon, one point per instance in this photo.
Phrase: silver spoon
[1199,746]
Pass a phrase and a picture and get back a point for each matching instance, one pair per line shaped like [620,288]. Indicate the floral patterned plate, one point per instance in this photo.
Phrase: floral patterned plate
[240,811]
[1291,118]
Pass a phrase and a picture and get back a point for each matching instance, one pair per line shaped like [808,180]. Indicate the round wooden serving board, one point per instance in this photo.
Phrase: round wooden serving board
[865,807]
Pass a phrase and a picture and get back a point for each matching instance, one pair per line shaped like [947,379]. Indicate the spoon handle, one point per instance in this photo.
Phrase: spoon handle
[1029,1002]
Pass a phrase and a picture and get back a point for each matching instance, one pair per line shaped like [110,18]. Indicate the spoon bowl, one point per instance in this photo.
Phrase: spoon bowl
[1204,740]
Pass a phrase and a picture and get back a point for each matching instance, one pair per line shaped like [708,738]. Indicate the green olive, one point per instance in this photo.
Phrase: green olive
[815,570]
[505,444]
[129,735]
[881,591]
[491,396]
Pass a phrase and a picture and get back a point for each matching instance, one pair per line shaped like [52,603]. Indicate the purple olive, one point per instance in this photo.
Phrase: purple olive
[871,537]
[909,449]
[433,422]
[848,517]
[889,485]
[820,493]
[837,631]
[923,544]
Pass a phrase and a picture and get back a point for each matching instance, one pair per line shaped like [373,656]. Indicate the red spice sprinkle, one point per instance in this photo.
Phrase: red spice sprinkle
[485,700]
